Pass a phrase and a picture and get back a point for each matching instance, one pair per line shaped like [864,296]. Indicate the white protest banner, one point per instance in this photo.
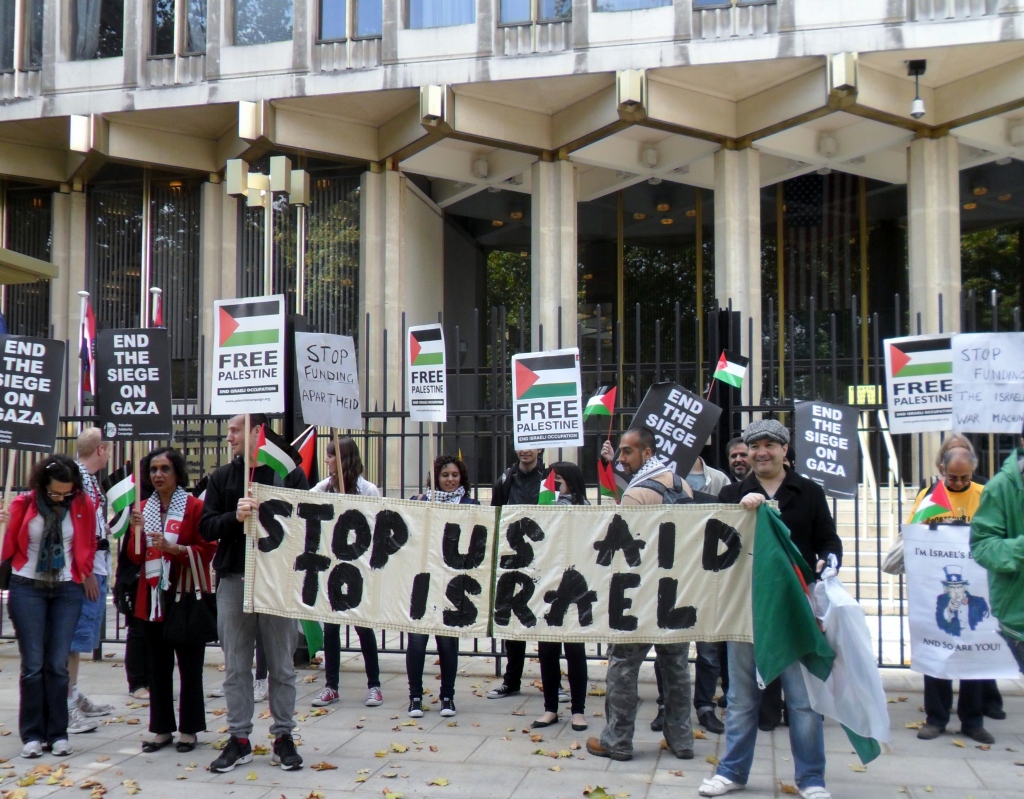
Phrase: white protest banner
[624,575]
[547,407]
[988,382]
[919,383]
[832,447]
[953,634]
[133,384]
[328,380]
[248,356]
[31,376]
[383,563]
[426,382]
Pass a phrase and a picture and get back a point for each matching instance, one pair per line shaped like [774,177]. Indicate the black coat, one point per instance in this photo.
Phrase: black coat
[515,487]
[804,511]
[218,522]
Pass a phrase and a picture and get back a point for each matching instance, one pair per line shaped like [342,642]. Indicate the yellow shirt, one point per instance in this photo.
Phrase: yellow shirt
[965,503]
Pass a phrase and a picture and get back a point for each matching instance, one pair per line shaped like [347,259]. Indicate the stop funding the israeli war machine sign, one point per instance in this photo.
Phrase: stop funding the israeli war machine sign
[426,384]
[248,356]
[133,383]
[31,376]
[547,408]
[919,383]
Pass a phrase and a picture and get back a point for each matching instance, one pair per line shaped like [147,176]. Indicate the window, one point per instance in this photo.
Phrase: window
[34,39]
[7,35]
[164,19]
[698,4]
[628,5]
[441,13]
[513,11]
[260,21]
[332,19]
[369,18]
[98,29]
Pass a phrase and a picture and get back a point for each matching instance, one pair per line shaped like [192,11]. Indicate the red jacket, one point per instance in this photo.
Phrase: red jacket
[83,544]
[188,537]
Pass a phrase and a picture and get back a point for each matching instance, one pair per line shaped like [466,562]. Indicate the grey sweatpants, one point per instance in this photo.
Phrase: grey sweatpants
[620,702]
[237,632]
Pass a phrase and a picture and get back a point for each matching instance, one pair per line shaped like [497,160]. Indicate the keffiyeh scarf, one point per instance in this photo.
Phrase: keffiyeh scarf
[453,497]
[649,470]
[158,567]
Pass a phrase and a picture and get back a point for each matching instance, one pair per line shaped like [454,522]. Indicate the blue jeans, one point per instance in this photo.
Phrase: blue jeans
[806,735]
[44,621]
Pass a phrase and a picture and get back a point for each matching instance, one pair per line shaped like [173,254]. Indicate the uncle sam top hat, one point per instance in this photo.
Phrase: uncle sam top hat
[954,576]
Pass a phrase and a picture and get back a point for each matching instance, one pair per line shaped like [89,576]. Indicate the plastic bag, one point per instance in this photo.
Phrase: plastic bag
[893,563]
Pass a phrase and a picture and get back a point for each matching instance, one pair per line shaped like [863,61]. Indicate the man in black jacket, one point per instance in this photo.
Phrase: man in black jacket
[225,511]
[518,485]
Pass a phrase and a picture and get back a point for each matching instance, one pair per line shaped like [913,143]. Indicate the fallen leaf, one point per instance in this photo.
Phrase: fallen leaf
[314,795]
[565,753]
[536,738]
[389,794]
[453,724]
[181,777]
[389,775]
[260,749]
[320,711]
[19,793]
[914,725]
[265,714]
[399,748]
[858,768]
[677,773]
[554,768]
[432,748]
[103,758]
[441,781]
[221,743]
[323,766]
[596,690]
[407,724]
[132,721]
[381,753]
[712,760]
[574,745]
[311,678]
[983,747]
[28,779]
[596,793]
[361,778]
[699,734]
[252,776]
[131,787]
[518,712]
[958,742]
[786,788]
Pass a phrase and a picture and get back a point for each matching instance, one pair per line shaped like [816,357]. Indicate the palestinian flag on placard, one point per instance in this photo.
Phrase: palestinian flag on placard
[545,376]
[119,488]
[199,489]
[548,490]
[601,402]
[932,505]
[305,445]
[924,358]
[426,347]
[731,369]
[249,324]
[276,453]
[785,628]
[606,482]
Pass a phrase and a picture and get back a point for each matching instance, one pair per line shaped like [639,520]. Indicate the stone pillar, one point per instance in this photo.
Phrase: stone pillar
[738,249]
[553,255]
[218,269]
[68,254]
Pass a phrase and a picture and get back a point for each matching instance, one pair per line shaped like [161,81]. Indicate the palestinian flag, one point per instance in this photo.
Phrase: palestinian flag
[933,505]
[276,453]
[119,488]
[601,403]
[731,369]
[426,346]
[87,350]
[924,357]
[785,628]
[305,445]
[249,324]
[199,489]
[546,376]
[606,482]
[548,490]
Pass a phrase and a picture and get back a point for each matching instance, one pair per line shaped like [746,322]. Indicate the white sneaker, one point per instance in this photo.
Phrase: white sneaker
[61,747]
[719,786]
[77,722]
[815,792]
[260,689]
[90,709]
[218,691]
[32,749]
[374,698]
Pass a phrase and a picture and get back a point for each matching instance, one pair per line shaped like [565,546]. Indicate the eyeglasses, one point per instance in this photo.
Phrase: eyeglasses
[57,496]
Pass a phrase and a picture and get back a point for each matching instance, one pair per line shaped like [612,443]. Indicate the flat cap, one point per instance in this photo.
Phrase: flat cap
[766,428]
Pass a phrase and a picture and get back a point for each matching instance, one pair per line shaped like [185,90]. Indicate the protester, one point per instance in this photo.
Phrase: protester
[957,465]
[93,455]
[997,543]
[225,511]
[805,512]
[353,482]
[451,486]
[650,483]
[739,459]
[167,529]
[706,478]
[51,543]
[572,490]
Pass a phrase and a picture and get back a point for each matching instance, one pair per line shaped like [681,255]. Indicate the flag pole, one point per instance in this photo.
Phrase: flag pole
[12,460]
[155,293]
[137,472]
[710,387]
[339,472]
[84,295]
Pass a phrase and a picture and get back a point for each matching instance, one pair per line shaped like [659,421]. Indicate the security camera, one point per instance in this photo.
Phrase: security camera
[917,108]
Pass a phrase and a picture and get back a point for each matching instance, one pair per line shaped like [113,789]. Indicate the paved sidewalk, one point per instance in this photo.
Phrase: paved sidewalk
[483,752]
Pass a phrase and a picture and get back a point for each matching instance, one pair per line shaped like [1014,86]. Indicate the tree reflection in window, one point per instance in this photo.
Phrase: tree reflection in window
[261,21]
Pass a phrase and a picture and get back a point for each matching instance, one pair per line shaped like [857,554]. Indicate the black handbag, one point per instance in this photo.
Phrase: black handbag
[190,611]
[126,581]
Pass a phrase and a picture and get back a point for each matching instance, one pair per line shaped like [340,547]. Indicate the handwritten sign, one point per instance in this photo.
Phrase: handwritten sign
[988,382]
[328,380]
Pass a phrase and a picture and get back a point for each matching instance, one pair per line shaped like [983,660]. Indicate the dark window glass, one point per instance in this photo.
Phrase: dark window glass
[441,13]
[628,5]
[260,21]
[28,232]
[7,34]
[163,27]
[195,35]
[369,20]
[555,9]
[98,29]
[34,52]
[332,19]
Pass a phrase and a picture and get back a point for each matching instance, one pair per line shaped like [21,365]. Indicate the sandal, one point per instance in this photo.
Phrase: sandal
[540,723]
[185,746]
[155,746]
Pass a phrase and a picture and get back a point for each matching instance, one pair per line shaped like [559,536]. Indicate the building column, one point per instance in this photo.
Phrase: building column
[68,254]
[553,255]
[218,270]
[738,248]
[933,233]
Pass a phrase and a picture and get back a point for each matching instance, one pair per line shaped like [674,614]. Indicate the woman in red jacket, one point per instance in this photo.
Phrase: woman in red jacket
[170,522]
[51,541]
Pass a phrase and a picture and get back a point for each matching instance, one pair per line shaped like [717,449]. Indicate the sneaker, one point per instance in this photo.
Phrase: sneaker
[979,734]
[930,731]
[260,689]
[447,706]
[90,709]
[415,707]
[77,722]
[815,792]
[217,692]
[996,713]
[595,748]
[563,697]
[719,786]
[62,748]
[501,692]
[328,696]
[709,721]
[32,749]
[374,697]
[285,755]
[237,752]
[658,723]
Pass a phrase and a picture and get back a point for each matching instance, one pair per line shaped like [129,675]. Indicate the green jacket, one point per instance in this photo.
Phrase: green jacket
[997,543]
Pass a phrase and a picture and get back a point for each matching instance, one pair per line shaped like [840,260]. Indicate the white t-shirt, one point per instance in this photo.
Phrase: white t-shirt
[363,487]
[35,536]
